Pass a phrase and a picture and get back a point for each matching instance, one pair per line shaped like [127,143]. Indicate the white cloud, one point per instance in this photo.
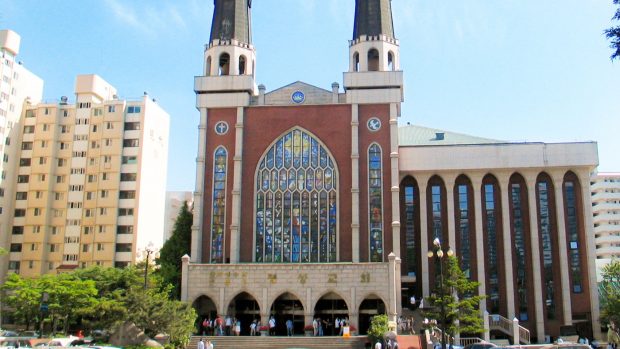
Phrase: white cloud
[146,19]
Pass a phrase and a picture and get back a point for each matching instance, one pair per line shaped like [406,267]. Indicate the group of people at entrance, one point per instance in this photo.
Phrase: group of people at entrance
[219,326]
[320,327]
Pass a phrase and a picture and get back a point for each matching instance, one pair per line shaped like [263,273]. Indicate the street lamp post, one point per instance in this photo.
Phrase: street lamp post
[146,267]
[438,253]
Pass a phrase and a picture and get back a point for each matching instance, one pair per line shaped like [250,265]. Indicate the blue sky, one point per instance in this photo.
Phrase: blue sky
[515,70]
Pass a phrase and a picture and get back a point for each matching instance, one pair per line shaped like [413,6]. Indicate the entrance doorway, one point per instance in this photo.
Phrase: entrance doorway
[330,307]
[286,307]
[371,306]
[206,310]
[245,309]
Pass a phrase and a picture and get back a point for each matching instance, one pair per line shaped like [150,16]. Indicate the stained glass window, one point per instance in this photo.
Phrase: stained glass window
[296,202]
[218,216]
[375,203]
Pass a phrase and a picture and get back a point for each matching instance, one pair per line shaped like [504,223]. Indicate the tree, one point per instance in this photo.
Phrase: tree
[154,312]
[613,34]
[609,292]
[456,306]
[378,328]
[177,246]
[69,297]
[23,297]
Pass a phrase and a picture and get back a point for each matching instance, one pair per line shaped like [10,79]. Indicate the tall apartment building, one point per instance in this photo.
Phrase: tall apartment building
[17,85]
[89,186]
[174,202]
[606,212]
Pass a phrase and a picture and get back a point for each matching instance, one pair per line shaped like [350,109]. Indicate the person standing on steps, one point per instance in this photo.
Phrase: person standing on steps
[272,326]
[289,327]
[201,344]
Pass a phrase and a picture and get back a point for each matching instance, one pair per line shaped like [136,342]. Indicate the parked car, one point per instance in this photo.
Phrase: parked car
[29,334]
[14,343]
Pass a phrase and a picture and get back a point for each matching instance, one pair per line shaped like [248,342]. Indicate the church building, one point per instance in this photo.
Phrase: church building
[315,203]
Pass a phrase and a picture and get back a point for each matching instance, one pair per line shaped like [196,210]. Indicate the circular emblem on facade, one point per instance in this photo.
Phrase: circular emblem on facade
[298,97]
[221,128]
[374,124]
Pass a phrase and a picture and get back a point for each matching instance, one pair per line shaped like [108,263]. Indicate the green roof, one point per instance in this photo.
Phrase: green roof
[413,135]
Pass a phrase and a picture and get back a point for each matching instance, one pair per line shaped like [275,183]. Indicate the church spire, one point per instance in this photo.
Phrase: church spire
[231,21]
[373,18]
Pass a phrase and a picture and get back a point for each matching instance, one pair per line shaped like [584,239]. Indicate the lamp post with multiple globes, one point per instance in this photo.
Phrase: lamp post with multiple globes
[439,255]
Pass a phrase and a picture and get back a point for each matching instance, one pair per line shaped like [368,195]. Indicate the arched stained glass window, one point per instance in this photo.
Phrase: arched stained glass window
[375,203]
[218,213]
[296,202]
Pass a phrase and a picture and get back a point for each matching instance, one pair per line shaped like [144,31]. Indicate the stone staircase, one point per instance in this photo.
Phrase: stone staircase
[274,342]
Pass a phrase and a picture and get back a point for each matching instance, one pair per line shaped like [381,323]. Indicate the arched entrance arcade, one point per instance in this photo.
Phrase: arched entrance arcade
[288,307]
[245,309]
[327,309]
[205,309]
[371,305]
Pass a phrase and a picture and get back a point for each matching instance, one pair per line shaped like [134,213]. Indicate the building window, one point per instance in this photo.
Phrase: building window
[20,212]
[97,112]
[100,247]
[127,194]
[124,229]
[518,215]
[21,195]
[296,201]
[218,213]
[128,177]
[375,203]
[410,220]
[133,109]
[571,191]
[16,248]
[127,160]
[131,142]
[111,108]
[18,230]
[545,196]
[125,212]
[464,224]
[24,162]
[491,228]
[132,126]
[14,265]
[26,145]
[123,247]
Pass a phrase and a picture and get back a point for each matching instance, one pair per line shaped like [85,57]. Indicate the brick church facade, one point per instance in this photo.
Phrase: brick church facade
[313,202]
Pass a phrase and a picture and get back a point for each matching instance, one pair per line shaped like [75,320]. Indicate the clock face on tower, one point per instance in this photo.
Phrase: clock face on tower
[374,124]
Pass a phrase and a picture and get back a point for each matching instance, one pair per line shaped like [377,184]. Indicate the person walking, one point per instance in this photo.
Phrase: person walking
[209,345]
[272,326]
[201,344]
[613,339]
[253,328]
[289,327]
